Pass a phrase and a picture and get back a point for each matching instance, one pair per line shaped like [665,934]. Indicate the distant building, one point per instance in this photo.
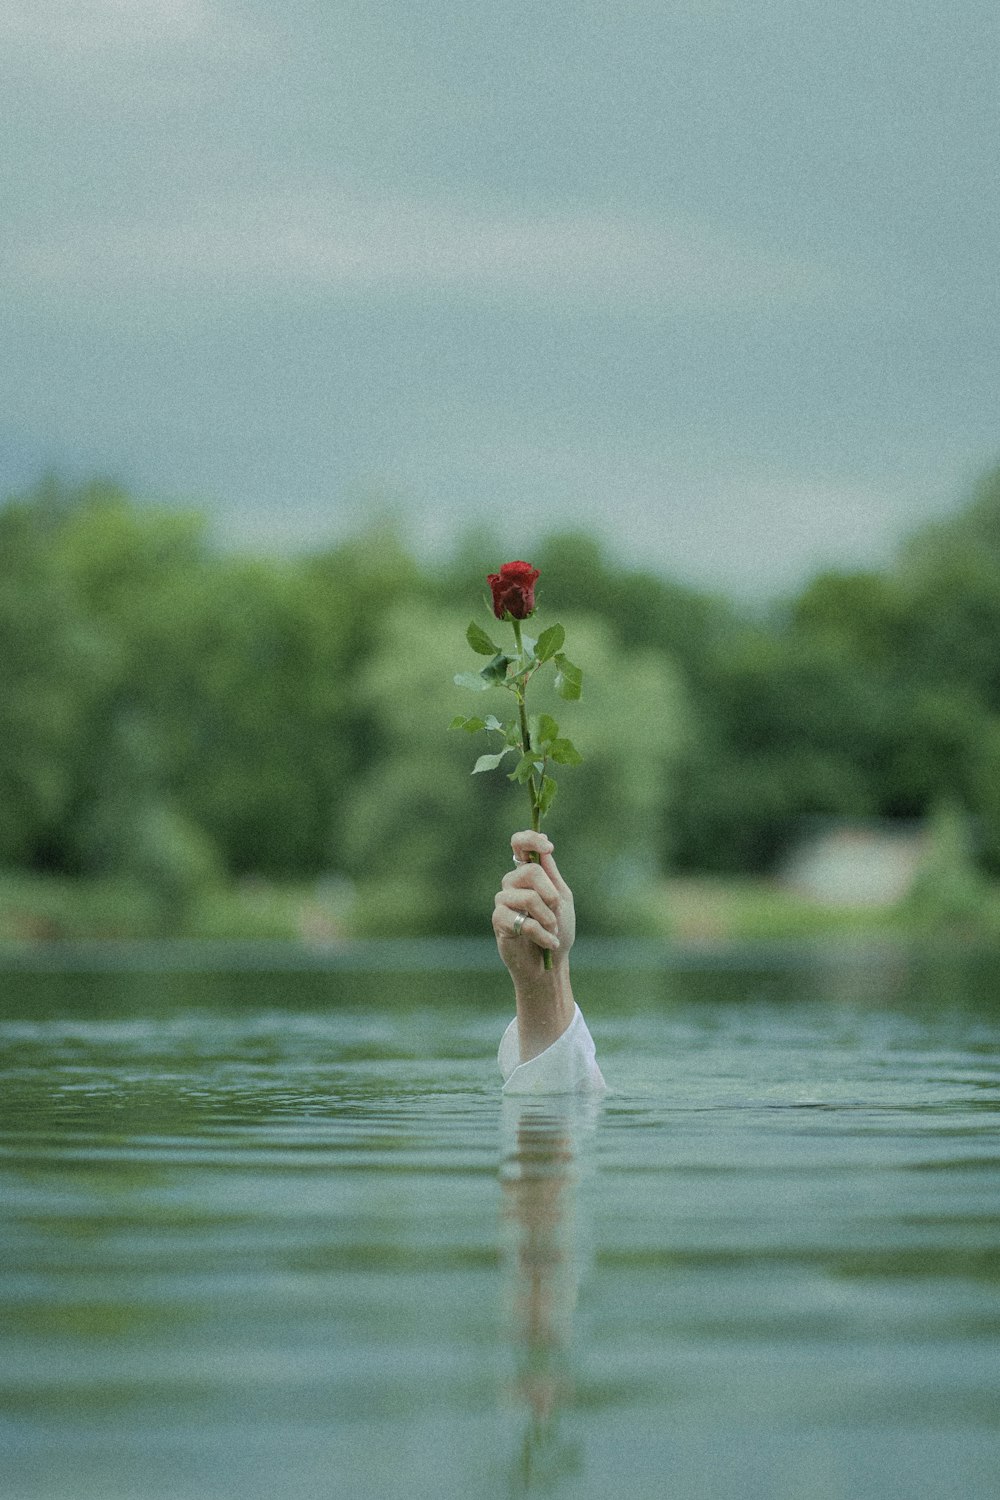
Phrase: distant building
[855,864]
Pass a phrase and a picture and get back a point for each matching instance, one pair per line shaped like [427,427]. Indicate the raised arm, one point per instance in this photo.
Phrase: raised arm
[534,910]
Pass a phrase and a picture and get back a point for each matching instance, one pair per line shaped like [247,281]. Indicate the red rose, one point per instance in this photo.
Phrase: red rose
[513,590]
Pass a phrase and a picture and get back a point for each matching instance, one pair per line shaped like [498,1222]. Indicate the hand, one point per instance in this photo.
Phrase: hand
[539,892]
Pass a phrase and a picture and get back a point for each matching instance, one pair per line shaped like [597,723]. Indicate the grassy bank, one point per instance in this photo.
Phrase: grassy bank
[36,908]
[714,909]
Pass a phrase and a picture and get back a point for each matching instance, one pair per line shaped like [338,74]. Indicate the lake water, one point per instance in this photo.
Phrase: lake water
[278,1235]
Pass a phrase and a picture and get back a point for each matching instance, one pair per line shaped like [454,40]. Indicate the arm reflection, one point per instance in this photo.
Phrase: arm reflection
[541,1164]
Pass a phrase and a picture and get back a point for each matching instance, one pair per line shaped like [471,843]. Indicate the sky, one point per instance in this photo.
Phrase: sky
[713,279]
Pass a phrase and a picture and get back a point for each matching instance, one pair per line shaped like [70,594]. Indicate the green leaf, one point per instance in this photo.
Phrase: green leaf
[569,679]
[496,672]
[549,642]
[545,731]
[528,643]
[490,762]
[565,753]
[471,680]
[524,769]
[546,794]
[480,641]
[471,726]
[492,722]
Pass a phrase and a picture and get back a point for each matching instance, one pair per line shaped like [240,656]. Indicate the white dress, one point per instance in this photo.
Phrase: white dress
[568,1066]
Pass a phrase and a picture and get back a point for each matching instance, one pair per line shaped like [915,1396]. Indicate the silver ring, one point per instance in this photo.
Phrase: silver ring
[519,922]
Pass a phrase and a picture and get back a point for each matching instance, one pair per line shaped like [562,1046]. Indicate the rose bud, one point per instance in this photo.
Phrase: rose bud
[513,590]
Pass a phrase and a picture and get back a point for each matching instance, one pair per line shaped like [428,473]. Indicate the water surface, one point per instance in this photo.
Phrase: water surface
[280,1235]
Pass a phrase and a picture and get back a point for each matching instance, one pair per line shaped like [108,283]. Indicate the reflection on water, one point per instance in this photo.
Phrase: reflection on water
[281,1235]
[543,1261]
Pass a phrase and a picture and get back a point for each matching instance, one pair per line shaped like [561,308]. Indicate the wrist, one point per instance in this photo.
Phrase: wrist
[541,984]
[545,1006]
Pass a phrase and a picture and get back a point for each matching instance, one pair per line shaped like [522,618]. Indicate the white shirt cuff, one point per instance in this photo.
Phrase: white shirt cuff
[568,1066]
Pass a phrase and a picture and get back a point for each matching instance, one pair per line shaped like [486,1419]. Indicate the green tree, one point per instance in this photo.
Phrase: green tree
[55,666]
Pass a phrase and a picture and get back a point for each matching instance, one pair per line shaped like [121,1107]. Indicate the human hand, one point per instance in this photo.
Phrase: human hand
[539,894]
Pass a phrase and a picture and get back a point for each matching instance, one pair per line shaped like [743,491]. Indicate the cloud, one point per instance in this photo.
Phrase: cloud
[746,527]
[62,28]
[339,244]
[73,66]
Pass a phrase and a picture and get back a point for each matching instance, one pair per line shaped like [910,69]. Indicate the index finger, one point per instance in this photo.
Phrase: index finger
[528,841]
[551,869]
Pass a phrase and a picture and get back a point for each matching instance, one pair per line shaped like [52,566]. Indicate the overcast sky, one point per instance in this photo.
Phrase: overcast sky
[717,278]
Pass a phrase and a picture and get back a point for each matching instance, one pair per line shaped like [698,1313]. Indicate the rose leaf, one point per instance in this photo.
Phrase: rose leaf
[549,642]
[480,641]
[523,770]
[569,679]
[546,794]
[547,730]
[496,672]
[490,762]
[565,753]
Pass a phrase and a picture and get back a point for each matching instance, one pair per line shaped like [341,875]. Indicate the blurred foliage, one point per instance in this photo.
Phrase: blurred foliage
[175,719]
[949,891]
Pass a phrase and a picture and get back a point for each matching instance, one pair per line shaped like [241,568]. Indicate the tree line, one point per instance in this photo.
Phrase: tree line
[182,715]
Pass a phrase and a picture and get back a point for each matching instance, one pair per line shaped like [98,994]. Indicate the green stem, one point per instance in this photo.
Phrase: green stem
[525,733]
[536,811]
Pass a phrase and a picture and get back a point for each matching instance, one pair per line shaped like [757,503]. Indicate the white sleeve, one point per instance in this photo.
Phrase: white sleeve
[568,1066]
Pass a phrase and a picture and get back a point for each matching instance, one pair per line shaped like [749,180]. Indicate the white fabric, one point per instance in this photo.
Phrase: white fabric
[567,1067]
